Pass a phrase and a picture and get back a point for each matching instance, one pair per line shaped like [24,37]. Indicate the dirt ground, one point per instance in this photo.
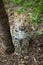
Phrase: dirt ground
[34,57]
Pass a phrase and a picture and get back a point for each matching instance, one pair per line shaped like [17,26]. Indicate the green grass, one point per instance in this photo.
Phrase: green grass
[16,2]
[6,1]
[36,7]
[40,33]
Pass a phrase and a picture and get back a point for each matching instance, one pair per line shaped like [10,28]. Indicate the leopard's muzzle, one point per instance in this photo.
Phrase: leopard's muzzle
[22,28]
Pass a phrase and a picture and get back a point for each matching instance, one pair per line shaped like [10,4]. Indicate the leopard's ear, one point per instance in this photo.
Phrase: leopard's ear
[16,15]
[28,16]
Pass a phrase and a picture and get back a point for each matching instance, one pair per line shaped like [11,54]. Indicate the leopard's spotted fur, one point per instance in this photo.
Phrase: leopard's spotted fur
[20,30]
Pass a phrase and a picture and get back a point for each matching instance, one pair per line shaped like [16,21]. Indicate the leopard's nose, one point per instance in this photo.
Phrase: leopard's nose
[22,24]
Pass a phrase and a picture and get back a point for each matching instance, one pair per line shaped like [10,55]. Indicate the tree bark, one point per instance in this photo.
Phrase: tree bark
[5,30]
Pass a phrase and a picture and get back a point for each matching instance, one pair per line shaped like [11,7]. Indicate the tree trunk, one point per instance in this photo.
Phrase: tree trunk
[5,30]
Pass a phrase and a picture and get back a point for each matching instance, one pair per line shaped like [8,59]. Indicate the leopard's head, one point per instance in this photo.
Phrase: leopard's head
[22,22]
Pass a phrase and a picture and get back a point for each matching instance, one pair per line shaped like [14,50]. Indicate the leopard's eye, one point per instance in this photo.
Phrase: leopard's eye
[25,20]
[19,20]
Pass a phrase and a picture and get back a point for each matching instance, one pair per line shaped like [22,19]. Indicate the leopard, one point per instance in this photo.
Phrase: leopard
[21,33]
[21,30]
